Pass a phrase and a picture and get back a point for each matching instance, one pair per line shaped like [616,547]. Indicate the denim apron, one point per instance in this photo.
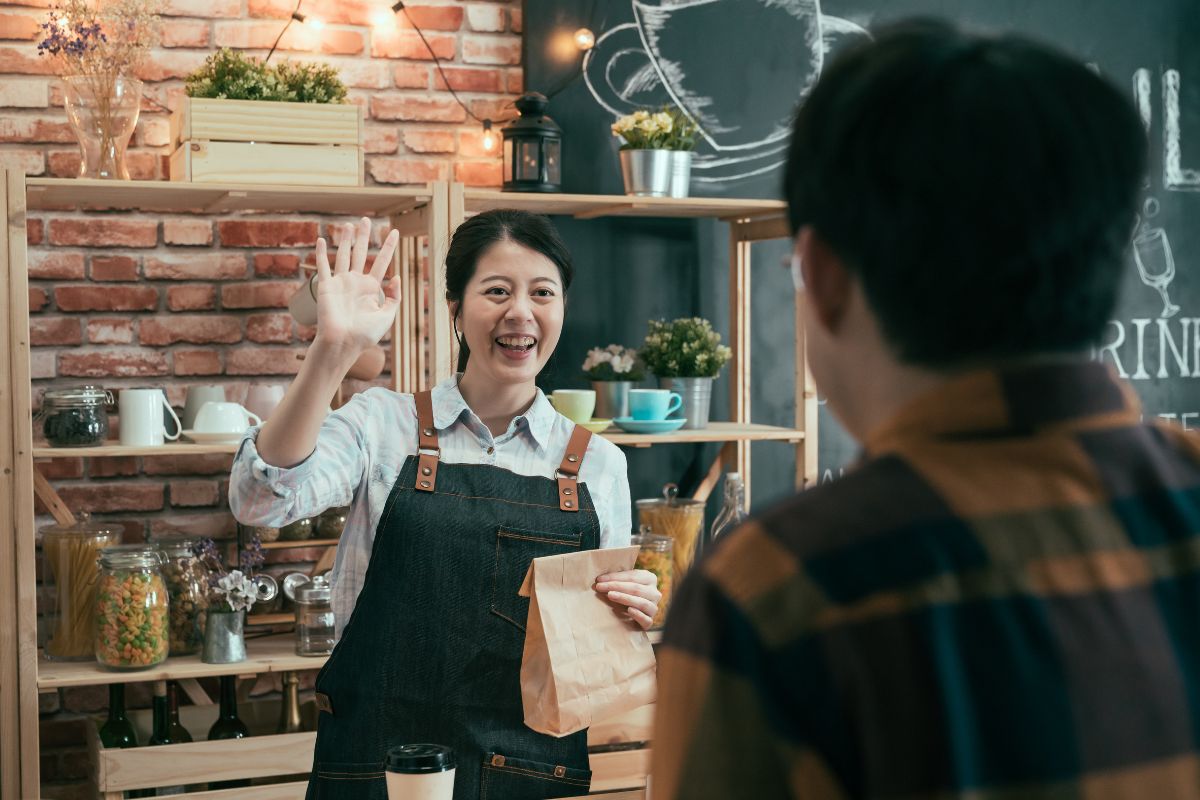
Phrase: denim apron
[432,650]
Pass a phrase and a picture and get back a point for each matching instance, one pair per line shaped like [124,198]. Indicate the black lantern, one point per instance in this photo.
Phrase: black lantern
[532,148]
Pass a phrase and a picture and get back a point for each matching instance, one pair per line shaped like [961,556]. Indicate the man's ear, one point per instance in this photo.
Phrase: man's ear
[827,282]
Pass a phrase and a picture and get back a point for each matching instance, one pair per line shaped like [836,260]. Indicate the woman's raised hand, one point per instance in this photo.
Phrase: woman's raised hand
[351,315]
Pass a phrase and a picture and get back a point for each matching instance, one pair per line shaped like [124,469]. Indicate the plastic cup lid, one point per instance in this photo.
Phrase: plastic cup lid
[419,758]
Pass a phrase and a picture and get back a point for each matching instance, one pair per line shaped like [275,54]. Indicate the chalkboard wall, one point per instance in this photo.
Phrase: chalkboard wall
[740,67]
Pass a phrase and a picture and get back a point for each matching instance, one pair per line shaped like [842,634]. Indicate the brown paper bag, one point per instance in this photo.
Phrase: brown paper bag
[582,663]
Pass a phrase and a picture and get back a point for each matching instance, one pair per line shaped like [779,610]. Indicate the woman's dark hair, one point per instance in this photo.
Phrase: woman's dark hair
[472,239]
[983,189]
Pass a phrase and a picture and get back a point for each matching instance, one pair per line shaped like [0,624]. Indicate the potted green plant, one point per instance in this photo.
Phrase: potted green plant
[613,371]
[686,354]
[656,152]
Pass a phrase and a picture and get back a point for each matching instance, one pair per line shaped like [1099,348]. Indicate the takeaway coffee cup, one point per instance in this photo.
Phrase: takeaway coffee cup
[142,419]
[576,405]
[653,404]
[420,772]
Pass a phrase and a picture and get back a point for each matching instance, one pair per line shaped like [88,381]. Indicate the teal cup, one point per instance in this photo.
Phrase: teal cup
[653,404]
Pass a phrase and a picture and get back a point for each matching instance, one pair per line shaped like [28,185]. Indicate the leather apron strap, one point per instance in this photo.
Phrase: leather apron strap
[568,470]
[428,451]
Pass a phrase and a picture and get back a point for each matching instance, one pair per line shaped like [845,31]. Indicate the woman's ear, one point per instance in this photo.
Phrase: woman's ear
[454,306]
[826,281]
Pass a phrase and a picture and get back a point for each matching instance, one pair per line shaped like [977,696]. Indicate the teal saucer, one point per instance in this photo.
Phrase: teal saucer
[631,425]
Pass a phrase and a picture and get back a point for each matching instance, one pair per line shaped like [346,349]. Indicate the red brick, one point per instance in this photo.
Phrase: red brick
[114,268]
[366,74]
[470,80]
[380,140]
[106,298]
[515,83]
[35,129]
[491,50]
[406,44]
[56,264]
[100,232]
[203,8]
[418,140]
[479,173]
[487,18]
[433,18]
[24,92]
[410,76]
[34,231]
[214,525]
[191,298]
[406,170]
[153,131]
[194,493]
[498,109]
[341,42]
[516,19]
[185,33]
[188,231]
[199,329]
[43,364]
[266,233]
[215,464]
[113,467]
[142,165]
[411,108]
[263,361]
[113,362]
[276,265]
[278,9]
[24,60]
[269,328]
[197,362]
[211,266]
[110,497]
[110,331]
[257,295]
[25,161]
[57,469]
[253,35]
[54,331]
[470,145]
[163,65]
[37,298]
[13,26]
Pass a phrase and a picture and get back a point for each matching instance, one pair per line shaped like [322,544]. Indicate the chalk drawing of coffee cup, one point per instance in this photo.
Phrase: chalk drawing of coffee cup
[721,62]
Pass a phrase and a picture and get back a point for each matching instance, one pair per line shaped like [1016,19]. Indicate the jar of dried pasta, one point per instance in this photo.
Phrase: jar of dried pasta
[70,553]
[131,608]
[187,580]
[655,556]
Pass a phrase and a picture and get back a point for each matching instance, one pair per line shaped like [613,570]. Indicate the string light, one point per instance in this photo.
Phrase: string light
[315,23]
[489,136]
[584,39]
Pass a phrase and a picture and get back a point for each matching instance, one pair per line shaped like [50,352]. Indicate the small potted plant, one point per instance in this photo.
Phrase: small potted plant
[232,594]
[685,355]
[613,371]
[656,152]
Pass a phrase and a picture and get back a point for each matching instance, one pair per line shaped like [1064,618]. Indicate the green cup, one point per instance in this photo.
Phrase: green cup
[576,405]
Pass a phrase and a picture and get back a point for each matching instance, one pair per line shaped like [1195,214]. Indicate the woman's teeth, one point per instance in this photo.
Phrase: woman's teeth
[516,342]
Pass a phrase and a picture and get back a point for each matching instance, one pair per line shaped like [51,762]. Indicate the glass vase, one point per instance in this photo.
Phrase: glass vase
[103,111]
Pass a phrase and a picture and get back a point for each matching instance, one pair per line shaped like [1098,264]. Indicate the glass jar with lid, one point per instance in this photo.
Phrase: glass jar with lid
[315,634]
[682,519]
[76,417]
[188,587]
[131,608]
[655,556]
[70,553]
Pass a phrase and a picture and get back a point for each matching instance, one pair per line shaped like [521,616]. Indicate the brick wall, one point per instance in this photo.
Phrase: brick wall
[127,299]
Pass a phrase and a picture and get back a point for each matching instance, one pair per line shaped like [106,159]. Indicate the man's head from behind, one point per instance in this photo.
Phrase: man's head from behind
[960,201]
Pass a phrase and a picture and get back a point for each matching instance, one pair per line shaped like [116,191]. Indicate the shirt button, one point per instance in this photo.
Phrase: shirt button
[491,450]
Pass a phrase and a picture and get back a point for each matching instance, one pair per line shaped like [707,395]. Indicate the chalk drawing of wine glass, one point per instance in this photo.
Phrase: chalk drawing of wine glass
[1155,261]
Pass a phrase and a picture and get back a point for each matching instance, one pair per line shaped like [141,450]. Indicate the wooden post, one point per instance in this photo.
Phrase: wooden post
[739,342]
[441,341]
[806,406]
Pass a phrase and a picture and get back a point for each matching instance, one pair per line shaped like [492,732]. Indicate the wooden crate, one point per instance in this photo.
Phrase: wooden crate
[267,755]
[250,141]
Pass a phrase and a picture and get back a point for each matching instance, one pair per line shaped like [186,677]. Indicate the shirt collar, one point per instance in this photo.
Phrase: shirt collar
[449,406]
[1023,399]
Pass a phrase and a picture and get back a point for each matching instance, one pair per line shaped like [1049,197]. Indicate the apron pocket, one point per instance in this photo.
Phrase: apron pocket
[334,780]
[506,778]
[515,549]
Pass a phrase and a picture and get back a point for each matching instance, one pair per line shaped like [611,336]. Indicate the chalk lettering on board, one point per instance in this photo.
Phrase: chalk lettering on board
[1176,347]
[1175,177]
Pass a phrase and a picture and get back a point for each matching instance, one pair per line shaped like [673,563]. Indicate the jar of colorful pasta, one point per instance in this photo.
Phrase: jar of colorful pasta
[655,556]
[187,580]
[131,608]
[70,554]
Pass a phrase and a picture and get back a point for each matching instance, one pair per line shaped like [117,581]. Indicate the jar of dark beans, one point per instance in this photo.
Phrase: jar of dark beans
[76,417]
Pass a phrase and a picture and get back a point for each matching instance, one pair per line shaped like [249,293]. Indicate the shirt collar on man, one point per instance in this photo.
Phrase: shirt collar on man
[449,406]
[1011,400]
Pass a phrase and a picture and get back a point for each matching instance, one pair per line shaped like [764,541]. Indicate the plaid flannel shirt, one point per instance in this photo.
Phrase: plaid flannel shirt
[1001,601]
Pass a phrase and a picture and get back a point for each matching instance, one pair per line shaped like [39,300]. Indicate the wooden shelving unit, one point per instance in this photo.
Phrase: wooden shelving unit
[430,212]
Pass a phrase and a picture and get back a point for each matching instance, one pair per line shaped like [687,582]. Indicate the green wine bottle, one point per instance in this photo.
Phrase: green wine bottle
[228,725]
[117,730]
[167,728]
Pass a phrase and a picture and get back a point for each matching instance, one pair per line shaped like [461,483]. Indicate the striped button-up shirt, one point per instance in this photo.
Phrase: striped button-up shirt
[1001,601]
[363,445]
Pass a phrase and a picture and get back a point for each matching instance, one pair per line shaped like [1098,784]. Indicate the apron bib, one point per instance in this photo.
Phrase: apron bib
[432,650]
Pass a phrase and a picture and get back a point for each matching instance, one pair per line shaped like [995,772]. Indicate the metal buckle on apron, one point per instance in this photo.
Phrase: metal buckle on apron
[568,491]
[323,703]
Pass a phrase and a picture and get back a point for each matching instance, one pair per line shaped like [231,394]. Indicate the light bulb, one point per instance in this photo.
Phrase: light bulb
[585,39]
[384,19]
[489,136]
[316,23]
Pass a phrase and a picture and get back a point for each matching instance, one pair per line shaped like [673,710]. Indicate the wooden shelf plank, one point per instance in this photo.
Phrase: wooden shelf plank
[179,196]
[169,449]
[590,205]
[301,543]
[265,654]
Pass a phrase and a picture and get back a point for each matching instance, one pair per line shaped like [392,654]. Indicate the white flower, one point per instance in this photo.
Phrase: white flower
[240,592]
[664,121]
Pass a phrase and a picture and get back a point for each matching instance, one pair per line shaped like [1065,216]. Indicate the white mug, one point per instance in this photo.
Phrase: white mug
[262,398]
[196,397]
[141,412]
[228,418]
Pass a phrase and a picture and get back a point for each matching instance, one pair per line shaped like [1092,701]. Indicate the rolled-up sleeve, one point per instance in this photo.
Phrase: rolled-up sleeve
[264,494]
